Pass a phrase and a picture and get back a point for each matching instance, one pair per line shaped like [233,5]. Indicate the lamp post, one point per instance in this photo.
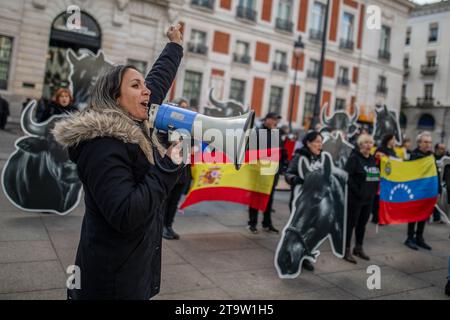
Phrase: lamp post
[298,50]
[316,114]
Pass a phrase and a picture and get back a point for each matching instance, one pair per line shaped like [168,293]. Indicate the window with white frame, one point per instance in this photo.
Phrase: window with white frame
[192,87]
[237,90]
[276,99]
[348,26]
[5,60]
[318,17]
[285,10]
[433,33]
[385,38]
[308,113]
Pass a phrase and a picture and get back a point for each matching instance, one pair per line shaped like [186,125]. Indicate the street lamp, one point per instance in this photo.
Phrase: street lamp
[316,113]
[298,51]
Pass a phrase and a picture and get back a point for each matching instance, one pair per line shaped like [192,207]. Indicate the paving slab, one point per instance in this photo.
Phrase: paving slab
[183,277]
[25,251]
[31,276]
[392,282]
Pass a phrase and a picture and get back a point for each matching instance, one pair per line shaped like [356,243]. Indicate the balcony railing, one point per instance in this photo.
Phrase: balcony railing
[425,102]
[382,89]
[384,54]
[282,67]
[315,34]
[246,13]
[313,74]
[346,44]
[209,4]
[343,82]
[241,58]
[429,70]
[284,25]
[197,48]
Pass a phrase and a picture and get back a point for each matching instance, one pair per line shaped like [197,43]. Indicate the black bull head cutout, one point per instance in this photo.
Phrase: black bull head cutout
[39,176]
[85,70]
[339,121]
[230,108]
[386,123]
[318,213]
[338,148]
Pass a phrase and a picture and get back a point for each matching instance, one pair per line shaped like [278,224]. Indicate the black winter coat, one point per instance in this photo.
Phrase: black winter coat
[53,109]
[363,177]
[119,253]
[292,176]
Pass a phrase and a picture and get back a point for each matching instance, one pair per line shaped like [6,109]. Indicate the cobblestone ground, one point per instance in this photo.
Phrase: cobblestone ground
[217,258]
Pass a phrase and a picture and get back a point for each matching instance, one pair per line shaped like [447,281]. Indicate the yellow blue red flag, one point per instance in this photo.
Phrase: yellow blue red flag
[408,190]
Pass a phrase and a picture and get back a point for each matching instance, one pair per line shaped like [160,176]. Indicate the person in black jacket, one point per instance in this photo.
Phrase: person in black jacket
[270,123]
[127,175]
[61,103]
[415,235]
[312,150]
[363,178]
[174,197]
[385,149]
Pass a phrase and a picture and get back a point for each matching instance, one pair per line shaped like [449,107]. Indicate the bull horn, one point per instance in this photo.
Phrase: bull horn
[28,123]
[216,103]
[355,115]
[327,163]
[323,115]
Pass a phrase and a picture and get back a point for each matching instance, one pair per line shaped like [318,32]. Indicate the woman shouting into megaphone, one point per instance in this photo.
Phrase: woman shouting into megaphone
[119,253]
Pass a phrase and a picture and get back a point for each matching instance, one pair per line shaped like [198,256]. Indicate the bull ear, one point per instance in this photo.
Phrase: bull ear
[304,168]
[31,145]
[71,57]
[327,163]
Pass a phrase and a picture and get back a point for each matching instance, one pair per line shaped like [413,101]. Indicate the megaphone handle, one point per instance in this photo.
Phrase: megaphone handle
[156,156]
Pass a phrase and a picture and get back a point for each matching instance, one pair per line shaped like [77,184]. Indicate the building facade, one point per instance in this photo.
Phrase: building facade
[426,89]
[244,49]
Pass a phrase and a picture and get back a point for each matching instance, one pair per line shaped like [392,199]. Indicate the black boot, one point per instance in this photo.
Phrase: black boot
[169,234]
[411,243]
[420,242]
[348,256]
[359,252]
[308,265]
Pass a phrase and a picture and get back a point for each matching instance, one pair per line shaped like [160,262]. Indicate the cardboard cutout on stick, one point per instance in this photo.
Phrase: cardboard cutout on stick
[339,120]
[386,122]
[84,72]
[39,176]
[319,212]
[339,148]
[230,108]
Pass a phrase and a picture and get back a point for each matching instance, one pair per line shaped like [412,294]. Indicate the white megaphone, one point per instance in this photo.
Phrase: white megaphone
[235,131]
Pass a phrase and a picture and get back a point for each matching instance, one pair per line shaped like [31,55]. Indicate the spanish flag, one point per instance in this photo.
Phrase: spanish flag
[250,186]
[408,190]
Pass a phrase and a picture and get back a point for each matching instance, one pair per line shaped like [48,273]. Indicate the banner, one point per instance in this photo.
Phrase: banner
[408,190]
[250,186]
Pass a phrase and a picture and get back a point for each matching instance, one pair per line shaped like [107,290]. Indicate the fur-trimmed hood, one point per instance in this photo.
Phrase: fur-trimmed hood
[91,124]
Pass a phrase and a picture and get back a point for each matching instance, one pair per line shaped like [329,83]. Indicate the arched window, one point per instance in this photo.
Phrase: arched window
[403,120]
[88,36]
[426,122]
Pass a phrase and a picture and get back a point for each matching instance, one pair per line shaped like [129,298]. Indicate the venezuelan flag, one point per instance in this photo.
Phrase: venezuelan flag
[220,181]
[408,190]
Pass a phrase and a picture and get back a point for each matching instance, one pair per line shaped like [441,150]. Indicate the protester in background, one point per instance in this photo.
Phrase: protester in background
[363,180]
[171,206]
[4,113]
[61,103]
[269,124]
[406,145]
[385,149]
[415,235]
[25,103]
[440,151]
[311,150]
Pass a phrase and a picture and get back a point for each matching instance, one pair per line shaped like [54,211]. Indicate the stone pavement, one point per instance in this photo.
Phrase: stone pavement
[217,258]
